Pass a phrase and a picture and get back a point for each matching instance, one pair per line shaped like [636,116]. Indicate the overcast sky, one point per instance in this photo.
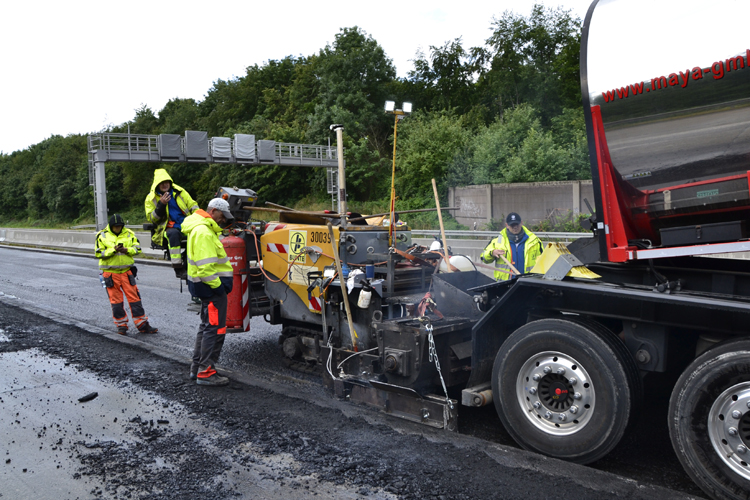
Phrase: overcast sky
[77,66]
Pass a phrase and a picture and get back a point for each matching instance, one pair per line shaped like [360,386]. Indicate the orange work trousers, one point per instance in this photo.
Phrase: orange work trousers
[123,285]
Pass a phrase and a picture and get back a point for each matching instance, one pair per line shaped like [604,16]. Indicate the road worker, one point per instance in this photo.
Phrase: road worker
[517,245]
[209,276]
[115,246]
[167,205]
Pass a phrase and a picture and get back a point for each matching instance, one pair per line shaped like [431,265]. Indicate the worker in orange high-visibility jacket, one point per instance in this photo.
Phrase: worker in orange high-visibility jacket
[115,246]
[209,276]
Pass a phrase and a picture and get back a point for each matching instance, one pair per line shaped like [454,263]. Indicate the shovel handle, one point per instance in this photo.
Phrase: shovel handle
[515,271]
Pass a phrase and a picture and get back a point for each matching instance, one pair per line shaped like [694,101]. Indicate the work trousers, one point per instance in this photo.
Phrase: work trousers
[210,338]
[173,237]
[123,285]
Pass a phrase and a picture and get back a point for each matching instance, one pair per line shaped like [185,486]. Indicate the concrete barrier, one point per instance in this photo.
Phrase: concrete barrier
[75,241]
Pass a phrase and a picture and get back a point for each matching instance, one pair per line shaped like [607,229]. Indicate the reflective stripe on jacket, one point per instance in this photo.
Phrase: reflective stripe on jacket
[207,259]
[115,262]
[182,197]
[532,251]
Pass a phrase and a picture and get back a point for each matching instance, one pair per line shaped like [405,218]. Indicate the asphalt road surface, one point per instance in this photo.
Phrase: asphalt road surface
[273,433]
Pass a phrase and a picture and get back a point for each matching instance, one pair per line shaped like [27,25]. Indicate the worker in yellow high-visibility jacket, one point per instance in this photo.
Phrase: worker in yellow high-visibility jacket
[115,246]
[517,244]
[167,205]
[209,276]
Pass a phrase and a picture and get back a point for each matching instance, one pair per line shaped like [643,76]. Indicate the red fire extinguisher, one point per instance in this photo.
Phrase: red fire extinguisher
[238,304]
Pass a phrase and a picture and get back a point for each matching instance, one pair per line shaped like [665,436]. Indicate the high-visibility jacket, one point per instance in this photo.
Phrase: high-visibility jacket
[182,197]
[208,265]
[115,262]
[531,251]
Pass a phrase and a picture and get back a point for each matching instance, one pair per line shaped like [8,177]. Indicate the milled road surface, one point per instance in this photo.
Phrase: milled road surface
[272,434]
[151,433]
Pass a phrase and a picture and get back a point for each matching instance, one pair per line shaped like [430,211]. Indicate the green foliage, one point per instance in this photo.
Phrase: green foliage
[517,148]
[177,116]
[427,143]
[367,172]
[354,73]
[567,222]
[508,111]
[532,60]
[446,80]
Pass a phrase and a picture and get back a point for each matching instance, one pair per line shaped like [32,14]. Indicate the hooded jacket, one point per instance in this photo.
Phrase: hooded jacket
[158,213]
[209,269]
[115,262]
[531,251]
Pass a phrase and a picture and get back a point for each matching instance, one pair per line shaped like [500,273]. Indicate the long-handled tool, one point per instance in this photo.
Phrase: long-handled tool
[442,228]
[335,247]
[515,271]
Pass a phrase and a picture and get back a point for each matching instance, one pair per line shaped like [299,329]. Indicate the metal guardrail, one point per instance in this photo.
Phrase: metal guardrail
[480,235]
[289,151]
[125,142]
[493,234]
[137,227]
[435,232]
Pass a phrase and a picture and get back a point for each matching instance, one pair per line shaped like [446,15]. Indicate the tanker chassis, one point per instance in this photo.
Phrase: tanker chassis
[564,351]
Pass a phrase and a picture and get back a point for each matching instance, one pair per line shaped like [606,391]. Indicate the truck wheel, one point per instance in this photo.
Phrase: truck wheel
[565,388]
[709,420]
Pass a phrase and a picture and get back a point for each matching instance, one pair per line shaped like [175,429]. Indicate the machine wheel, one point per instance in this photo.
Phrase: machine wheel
[565,388]
[709,420]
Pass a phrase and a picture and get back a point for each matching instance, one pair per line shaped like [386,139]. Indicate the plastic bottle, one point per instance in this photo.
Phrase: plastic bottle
[363,302]
[101,279]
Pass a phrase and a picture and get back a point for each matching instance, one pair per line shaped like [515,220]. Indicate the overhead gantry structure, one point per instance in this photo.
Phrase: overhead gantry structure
[195,147]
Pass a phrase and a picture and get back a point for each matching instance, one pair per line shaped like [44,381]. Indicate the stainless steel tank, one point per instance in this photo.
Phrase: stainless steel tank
[672,85]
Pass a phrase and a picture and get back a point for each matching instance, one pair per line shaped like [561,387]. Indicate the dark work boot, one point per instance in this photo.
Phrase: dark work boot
[215,380]
[122,330]
[146,328]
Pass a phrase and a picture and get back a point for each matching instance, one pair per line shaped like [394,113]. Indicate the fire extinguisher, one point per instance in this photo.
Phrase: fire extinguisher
[238,305]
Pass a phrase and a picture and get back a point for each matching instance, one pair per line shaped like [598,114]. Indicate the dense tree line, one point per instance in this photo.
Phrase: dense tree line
[509,111]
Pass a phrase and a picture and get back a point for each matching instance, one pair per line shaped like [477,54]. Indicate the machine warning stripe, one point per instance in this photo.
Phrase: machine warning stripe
[314,303]
[277,248]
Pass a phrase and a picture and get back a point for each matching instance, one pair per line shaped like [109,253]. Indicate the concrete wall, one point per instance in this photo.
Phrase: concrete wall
[534,201]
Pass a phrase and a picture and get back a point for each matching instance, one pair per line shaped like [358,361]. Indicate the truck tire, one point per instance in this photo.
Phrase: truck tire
[565,388]
[709,420]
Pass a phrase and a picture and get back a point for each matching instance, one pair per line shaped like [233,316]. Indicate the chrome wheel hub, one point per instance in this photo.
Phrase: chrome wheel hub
[556,393]
[729,428]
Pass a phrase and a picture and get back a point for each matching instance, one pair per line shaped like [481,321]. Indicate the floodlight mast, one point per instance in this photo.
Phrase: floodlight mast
[400,115]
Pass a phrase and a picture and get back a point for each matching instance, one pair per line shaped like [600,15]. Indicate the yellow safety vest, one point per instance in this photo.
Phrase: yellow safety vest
[184,201]
[207,259]
[115,262]
[532,249]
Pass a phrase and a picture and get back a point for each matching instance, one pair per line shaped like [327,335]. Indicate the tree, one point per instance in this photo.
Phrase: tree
[516,148]
[427,144]
[446,80]
[177,116]
[354,74]
[532,60]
